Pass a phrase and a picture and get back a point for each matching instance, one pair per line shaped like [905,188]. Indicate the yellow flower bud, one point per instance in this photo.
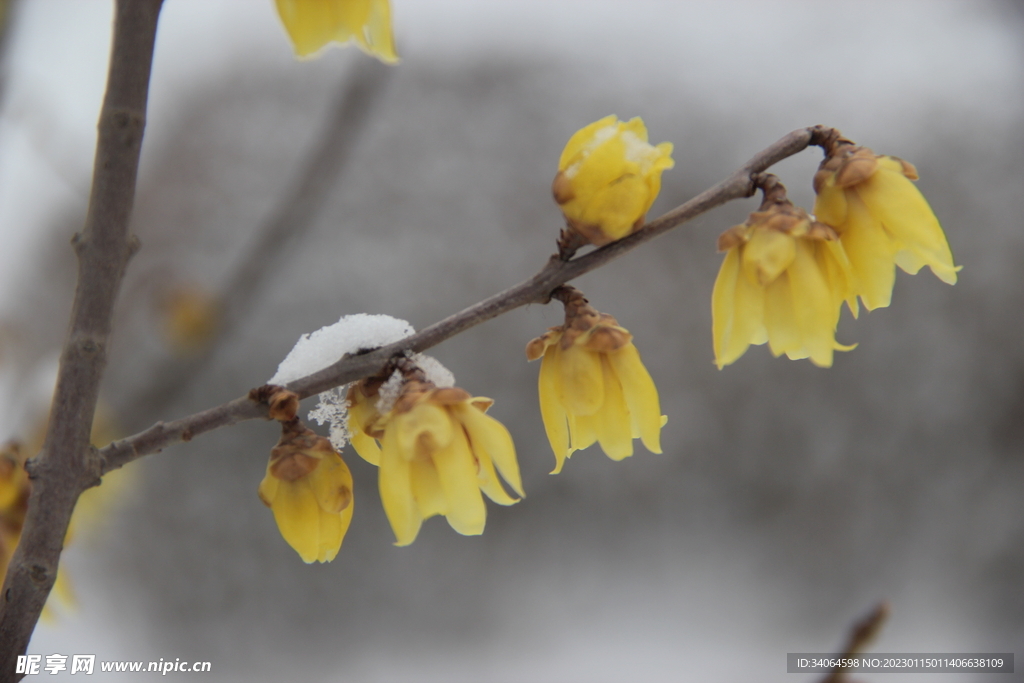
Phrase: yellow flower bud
[594,387]
[312,24]
[783,281]
[882,219]
[608,178]
[309,489]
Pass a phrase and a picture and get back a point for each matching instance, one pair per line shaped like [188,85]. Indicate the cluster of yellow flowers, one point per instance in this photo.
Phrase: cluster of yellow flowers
[784,279]
[437,450]
[786,274]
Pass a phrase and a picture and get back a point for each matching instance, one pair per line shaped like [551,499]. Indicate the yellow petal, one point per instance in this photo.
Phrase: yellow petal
[492,444]
[766,255]
[487,479]
[426,488]
[613,424]
[312,24]
[298,518]
[582,139]
[815,305]
[582,431]
[737,311]
[333,527]
[901,208]
[582,381]
[780,319]
[551,409]
[366,447]
[423,430]
[830,206]
[332,483]
[457,470]
[376,38]
[842,282]
[652,176]
[605,162]
[395,485]
[616,206]
[871,255]
[268,488]
[641,395]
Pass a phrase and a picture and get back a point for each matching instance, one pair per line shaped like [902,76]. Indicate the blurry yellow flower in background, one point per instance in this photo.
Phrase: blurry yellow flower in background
[783,281]
[309,489]
[191,318]
[593,386]
[608,177]
[14,491]
[313,24]
[94,504]
[15,488]
[882,219]
[438,452]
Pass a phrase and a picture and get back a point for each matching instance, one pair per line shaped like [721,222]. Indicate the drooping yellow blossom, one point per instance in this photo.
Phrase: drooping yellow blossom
[882,219]
[593,386]
[438,451]
[312,24]
[309,488]
[608,178]
[783,281]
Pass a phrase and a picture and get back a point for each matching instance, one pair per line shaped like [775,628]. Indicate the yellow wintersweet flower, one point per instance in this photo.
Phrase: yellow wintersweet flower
[312,24]
[882,219]
[438,452]
[593,386]
[608,178]
[309,488]
[783,281]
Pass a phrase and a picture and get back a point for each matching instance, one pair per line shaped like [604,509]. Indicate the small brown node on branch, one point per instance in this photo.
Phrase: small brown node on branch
[39,574]
[829,139]
[569,242]
[134,244]
[282,405]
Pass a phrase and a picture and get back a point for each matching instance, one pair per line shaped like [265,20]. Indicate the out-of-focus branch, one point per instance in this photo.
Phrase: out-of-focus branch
[67,464]
[861,635]
[537,289]
[289,222]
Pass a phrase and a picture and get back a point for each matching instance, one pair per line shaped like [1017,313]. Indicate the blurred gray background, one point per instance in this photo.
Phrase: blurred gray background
[789,499]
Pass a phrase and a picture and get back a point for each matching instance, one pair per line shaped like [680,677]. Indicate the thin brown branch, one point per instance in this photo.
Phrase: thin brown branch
[67,464]
[535,290]
[861,634]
